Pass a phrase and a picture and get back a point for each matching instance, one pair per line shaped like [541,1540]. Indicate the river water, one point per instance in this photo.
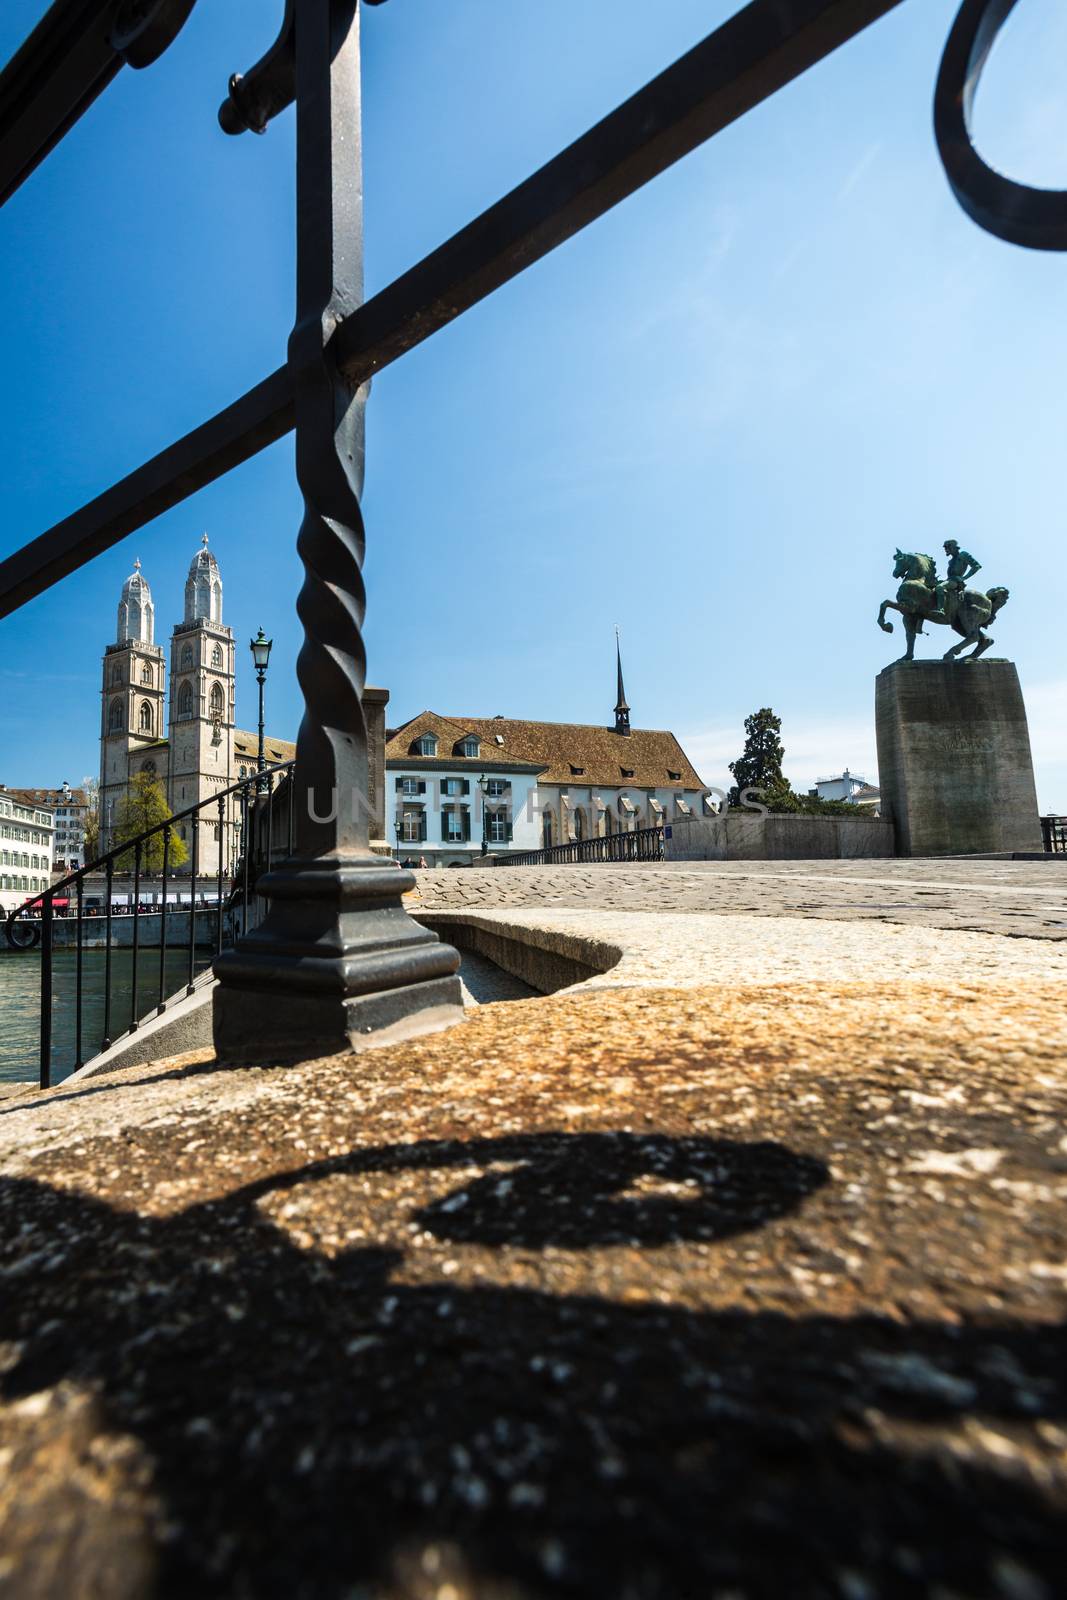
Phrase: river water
[20,1003]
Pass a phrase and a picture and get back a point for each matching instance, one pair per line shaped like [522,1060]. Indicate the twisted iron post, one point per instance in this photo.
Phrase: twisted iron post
[336,961]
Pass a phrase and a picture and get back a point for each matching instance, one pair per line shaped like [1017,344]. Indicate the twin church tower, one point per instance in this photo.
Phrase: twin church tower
[197,752]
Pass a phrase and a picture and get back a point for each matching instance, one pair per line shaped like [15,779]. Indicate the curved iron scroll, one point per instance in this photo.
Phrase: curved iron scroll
[264,89]
[143,29]
[1036,218]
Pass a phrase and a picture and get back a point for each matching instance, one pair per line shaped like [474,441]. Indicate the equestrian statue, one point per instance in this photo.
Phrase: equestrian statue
[922,598]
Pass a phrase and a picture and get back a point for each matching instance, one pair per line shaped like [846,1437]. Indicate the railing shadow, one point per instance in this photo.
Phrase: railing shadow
[318,1426]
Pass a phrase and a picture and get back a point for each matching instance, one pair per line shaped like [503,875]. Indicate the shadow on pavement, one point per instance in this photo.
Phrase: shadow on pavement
[310,1428]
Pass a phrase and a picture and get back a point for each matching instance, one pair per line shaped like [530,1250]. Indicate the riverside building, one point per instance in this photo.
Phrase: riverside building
[454,783]
[26,832]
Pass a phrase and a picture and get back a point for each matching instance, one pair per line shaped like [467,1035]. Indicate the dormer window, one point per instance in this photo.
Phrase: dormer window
[577,772]
[627,772]
[425,745]
[675,777]
[469,747]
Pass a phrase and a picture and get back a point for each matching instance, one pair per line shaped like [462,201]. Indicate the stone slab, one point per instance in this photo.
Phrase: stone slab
[954,758]
[749,836]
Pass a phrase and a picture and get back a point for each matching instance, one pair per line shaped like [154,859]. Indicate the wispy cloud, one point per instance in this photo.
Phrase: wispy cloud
[815,747]
[863,165]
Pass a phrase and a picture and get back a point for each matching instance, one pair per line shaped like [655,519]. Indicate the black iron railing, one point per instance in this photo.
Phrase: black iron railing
[644,844]
[256,815]
[1054,835]
[342,929]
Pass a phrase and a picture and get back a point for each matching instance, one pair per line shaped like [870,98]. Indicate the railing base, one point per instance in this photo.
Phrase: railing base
[305,1027]
[336,965]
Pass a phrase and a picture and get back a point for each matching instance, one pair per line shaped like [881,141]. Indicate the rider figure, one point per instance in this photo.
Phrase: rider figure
[961,566]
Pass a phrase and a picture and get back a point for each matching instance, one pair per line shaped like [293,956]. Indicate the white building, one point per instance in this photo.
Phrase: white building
[26,832]
[452,782]
[849,786]
[70,808]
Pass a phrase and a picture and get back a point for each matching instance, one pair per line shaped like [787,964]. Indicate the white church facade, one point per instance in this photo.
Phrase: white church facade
[186,738]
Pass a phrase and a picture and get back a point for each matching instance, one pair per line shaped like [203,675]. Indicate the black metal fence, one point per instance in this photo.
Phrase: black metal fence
[1054,835]
[644,844]
[217,905]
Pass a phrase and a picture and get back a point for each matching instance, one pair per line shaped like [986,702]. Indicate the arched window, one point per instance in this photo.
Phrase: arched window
[546,825]
[216,656]
[218,700]
[579,823]
[144,717]
[187,657]
[114,716]
[148,767]
[185,701]
[146,673]
[242,772]
[609,824]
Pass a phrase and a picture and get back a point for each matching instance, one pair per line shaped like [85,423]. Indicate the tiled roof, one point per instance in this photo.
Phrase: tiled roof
[604,756]
[48,798]
[246,746]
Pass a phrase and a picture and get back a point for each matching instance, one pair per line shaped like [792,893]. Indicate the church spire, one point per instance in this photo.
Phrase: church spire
[622,710]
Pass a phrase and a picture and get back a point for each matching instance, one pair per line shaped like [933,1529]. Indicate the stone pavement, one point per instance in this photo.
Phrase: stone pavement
[636,1295]
[738,1271]
[693,949]
[1007,897]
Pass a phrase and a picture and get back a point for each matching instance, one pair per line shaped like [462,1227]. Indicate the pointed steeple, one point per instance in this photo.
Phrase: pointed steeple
[622,710]
[136,612]
[203,587]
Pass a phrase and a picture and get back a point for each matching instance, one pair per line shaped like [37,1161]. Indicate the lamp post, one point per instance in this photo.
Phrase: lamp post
[483,784]
[396,829]
[260,648]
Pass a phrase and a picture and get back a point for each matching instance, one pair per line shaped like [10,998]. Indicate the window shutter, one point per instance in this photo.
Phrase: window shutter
[465,786]
[466,820]
[510,830]
[399,784]
[422,827]
[422,786]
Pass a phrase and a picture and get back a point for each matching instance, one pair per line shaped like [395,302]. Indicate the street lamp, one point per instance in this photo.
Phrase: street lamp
[260,648]
[483,784]
[396,830]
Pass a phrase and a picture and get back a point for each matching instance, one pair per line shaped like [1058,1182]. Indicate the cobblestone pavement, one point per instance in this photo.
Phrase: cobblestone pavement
[1023,899]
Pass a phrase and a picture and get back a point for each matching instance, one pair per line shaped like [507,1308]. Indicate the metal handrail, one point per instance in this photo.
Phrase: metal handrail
[256,797]
[643,844]
[1054,834]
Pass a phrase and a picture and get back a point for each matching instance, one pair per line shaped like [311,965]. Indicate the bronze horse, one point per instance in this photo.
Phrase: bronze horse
[917,602]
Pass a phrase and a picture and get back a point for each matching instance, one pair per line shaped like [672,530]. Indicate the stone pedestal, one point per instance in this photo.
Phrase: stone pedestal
[954,758]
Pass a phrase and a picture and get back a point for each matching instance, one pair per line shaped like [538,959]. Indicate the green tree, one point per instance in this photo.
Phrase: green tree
[759,767]
[760,764]
[91,846]
[144,806]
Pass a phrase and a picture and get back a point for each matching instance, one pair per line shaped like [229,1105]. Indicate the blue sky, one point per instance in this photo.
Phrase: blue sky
[710,418]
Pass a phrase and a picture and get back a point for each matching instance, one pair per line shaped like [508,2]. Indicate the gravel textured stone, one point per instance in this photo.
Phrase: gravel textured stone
[729,1291]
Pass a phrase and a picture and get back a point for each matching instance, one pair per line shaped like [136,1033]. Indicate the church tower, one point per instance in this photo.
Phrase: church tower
[131,717]
[622,710]
[202,708]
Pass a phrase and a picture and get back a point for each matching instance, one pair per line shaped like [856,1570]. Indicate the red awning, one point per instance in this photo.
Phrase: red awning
[58,902]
